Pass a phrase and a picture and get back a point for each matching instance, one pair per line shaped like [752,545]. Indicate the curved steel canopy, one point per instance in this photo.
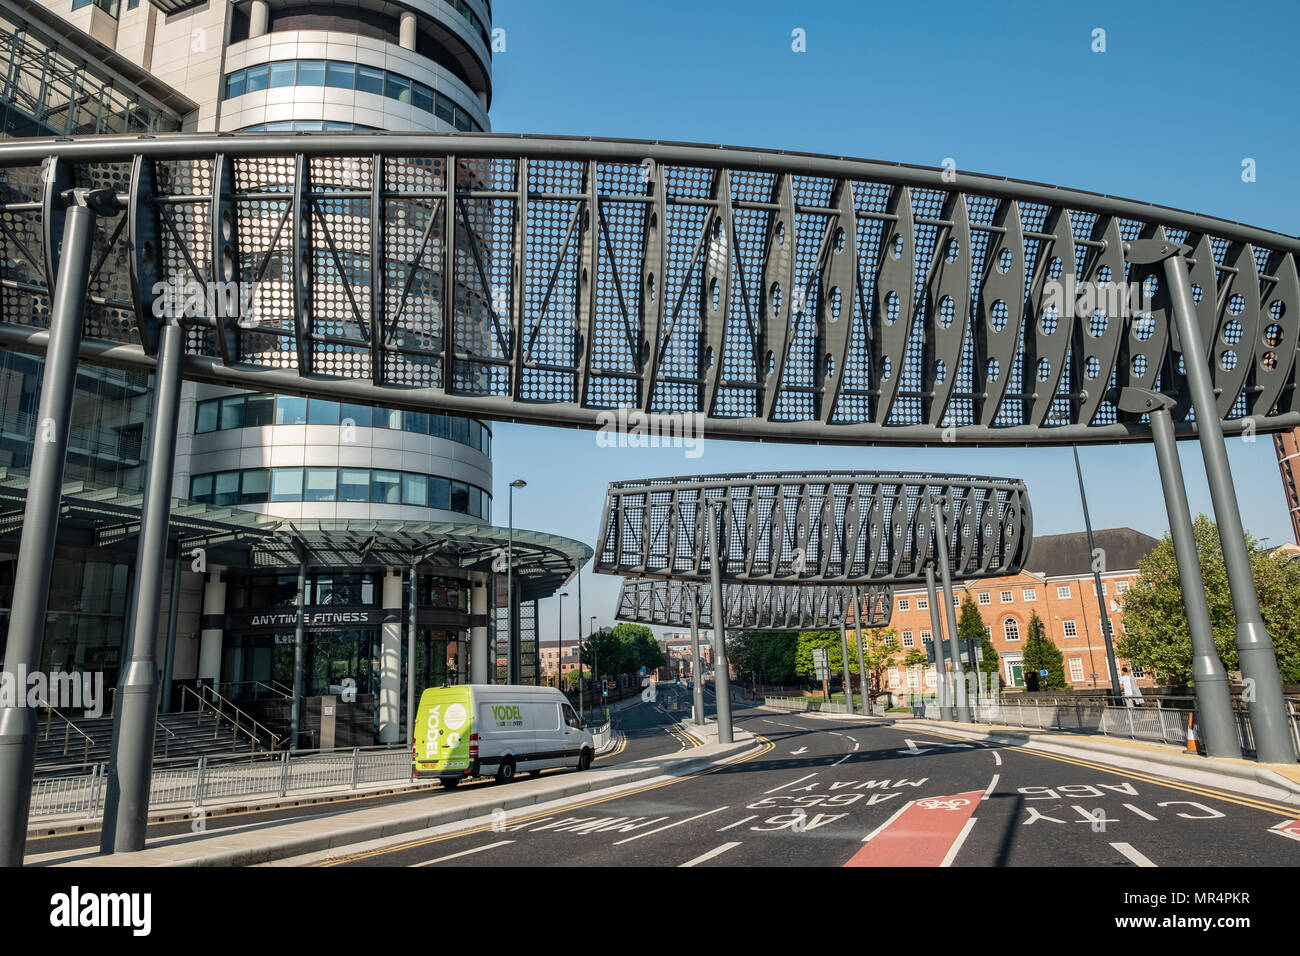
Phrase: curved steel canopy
[829,527]
[755,607]
[779,296]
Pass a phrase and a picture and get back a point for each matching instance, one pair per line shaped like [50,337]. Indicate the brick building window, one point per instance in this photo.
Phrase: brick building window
[1076,668]
[1029,594]
[1063,592]
[923,604]
[984,598]
[1006,597]
[926,636]
[1070,629]
[907,639]
[904,604]
[1010,629]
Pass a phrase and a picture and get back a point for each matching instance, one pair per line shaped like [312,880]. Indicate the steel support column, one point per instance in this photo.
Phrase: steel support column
[299,647]
[844,659]
[1213,698]
[1097,584]
[940,664]
[126,807]
[697,665]
[945,573]
[173,611]
[40,526]
[721,678]
[862,666]
[410,660]
[1255,651]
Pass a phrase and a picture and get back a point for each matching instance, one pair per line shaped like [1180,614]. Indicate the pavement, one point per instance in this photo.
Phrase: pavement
[261,842]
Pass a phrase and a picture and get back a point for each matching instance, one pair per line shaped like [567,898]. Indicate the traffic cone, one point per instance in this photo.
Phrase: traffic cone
[1194,745]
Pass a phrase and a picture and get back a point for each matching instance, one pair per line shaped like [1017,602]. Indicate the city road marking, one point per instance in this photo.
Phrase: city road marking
[452,856]
[1142,813]
[880,829]
[1287,828]
[790,784]
[1132,855]
[997,758]
[669,826]
[732,826]
[961,838]
[716,851]
[988,791]
[927,832]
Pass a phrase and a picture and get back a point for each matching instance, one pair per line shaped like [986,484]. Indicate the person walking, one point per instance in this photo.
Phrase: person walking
[1129,687]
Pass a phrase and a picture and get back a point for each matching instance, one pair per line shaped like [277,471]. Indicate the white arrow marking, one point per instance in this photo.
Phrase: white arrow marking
[913,749]
[795,753]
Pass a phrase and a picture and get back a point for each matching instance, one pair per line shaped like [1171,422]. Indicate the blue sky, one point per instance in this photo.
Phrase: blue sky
[1181,96]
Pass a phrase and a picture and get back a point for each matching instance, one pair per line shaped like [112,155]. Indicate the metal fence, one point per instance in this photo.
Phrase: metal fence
[1157,719]
[196,782]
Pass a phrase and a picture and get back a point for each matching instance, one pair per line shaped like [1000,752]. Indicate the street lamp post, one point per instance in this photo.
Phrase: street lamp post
[512,648]
[559,640]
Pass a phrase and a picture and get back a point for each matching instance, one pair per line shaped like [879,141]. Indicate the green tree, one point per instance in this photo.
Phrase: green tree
[1155,624]
[970,626]
[878,647]
[1040,652]
[807,641]
[774,656]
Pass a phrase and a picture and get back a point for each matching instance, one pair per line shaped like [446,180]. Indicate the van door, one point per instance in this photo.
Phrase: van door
[573,735]
[505,730]
[548,750]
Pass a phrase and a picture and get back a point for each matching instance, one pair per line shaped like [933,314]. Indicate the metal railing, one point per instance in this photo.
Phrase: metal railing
[810,704]
[270,688]
[200,781]
[69,728]
[218,709]
[1160,719]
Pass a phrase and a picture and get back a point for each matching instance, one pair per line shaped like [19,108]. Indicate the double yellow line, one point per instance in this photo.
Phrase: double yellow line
[767,747]
[1254,803]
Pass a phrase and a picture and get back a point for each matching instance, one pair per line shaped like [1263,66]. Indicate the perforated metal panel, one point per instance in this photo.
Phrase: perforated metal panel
[773,295]
[754,606]
[814,528]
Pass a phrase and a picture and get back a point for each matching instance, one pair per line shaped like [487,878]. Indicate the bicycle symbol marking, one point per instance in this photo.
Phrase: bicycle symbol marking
[954,804]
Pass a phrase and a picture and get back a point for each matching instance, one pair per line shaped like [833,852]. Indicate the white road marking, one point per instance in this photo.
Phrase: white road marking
[795,753]
[956,845]
[988,791]
[669,826]
[732,826]
[1132,855]
[1142,813]
[441,859]
[716,851]
[997,758]
[790,784]
[868,838]
[1286,828]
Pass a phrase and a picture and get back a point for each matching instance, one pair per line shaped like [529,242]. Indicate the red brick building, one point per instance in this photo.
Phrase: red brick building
[1287,445]
[1058,584]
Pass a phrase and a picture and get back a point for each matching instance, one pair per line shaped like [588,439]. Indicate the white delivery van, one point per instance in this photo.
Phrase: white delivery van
[496,730]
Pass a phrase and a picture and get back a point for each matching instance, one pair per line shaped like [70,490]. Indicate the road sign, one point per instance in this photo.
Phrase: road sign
[641,672]
[1043,672]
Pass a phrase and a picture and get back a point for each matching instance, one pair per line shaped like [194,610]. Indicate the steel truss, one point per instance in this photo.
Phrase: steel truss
[755,607]
[775,295]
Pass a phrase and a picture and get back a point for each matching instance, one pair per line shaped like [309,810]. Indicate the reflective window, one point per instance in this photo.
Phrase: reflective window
[354,484]
[322,413]
[311,73]
[342,75]
[320,484]
[290,410]
[225,488]
[255,486]
[205,418]
[415,490]
[286,484]
[283,73]
[369,80]
[439,493]
[385,488]
[232,412]
[359,414]
[256,78]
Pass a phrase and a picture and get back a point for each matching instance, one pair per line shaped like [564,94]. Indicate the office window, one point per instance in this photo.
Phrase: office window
[354,484]
[460,430]
[1010,629]
[341,75]
[439,426]
[926,636]
[385,488]
[225,488]
[370,80]
[284,73]
[984,598]
[904,604]
[1029,594]
[321,484]
[439,493]
[201,489]
[255,486]
[232,412]
[256,78]
[1076,669]
[1063,592]
[290,410]
[1121,587]
[205,416]
[907,639]
[286,484]
[415,490]
[460,497]
[359,415]
[1006,597]
[322,413]
[923,604]
[1070,629]
[311,73]
[397,88]
[259,410]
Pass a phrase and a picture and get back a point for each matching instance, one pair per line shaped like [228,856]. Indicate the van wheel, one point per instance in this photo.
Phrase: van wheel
[449,783]
[584,759]
[506,772]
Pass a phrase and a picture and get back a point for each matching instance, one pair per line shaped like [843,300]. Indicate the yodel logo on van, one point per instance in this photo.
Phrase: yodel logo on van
[506,712]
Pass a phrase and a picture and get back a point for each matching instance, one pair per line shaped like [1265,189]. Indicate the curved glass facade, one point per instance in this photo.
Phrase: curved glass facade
[250,486]
[258,410]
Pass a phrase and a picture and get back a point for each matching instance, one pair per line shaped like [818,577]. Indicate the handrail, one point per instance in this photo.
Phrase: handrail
[69,726]
[167,744]
[275,738]
[258,683]
[203,702]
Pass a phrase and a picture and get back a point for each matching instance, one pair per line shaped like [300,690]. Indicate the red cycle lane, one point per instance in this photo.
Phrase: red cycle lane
[923,833]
